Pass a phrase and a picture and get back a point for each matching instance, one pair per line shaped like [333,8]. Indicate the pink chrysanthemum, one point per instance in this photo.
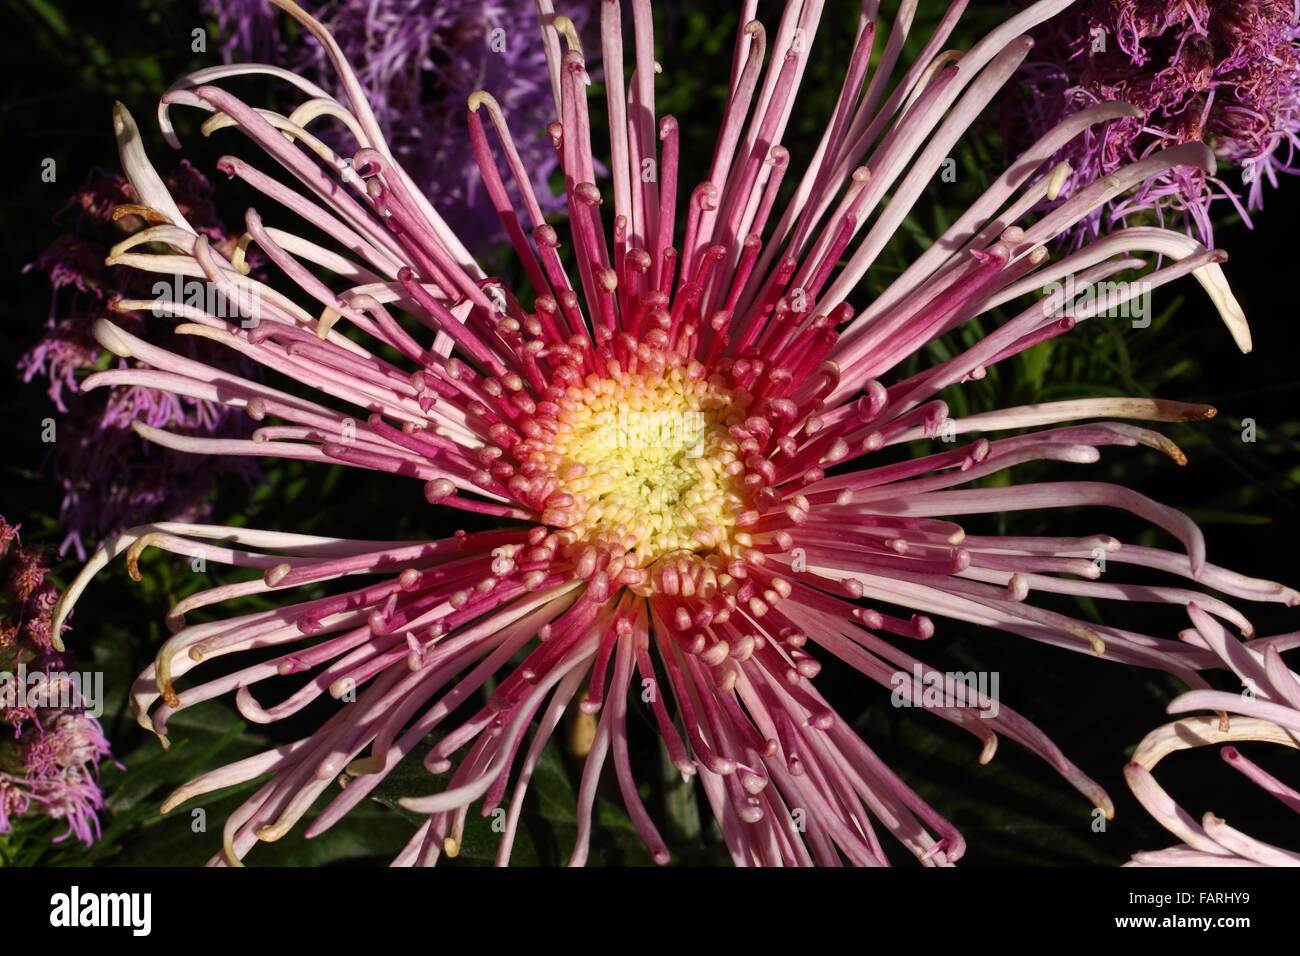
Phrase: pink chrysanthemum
[1266,710]
[680,431]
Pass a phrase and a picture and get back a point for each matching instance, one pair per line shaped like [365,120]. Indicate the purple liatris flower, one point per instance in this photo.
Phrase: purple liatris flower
[1266,710]
[1222,72]
[111,479]
[417,63]
[50,747]
[702,468]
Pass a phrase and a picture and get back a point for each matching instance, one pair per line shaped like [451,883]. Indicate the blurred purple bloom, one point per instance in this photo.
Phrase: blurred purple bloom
[110,478]
[1217,71]
[418,63]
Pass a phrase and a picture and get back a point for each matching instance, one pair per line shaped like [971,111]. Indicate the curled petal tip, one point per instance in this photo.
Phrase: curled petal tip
[111,337]
[1215,283]
[479,99]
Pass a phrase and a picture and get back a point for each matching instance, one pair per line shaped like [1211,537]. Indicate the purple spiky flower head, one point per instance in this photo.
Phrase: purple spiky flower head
[1221,72]
[697,464]
[1265,710]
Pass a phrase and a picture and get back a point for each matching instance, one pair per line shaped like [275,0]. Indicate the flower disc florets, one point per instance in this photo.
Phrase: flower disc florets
[647,456]
[633,463]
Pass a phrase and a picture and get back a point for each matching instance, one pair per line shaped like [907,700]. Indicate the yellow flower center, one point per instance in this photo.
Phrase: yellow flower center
[645,460]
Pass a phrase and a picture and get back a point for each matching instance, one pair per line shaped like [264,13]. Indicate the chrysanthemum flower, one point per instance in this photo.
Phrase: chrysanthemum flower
[1216,71]
[680,429]
[1266,710]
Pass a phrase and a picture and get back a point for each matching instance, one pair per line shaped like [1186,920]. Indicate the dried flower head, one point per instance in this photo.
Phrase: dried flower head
[50,748]
[1220,72]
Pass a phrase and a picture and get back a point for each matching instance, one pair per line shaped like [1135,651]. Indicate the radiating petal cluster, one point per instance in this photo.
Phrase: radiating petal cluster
[417,62]
[694,459]
[110,480]
[1266,710]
